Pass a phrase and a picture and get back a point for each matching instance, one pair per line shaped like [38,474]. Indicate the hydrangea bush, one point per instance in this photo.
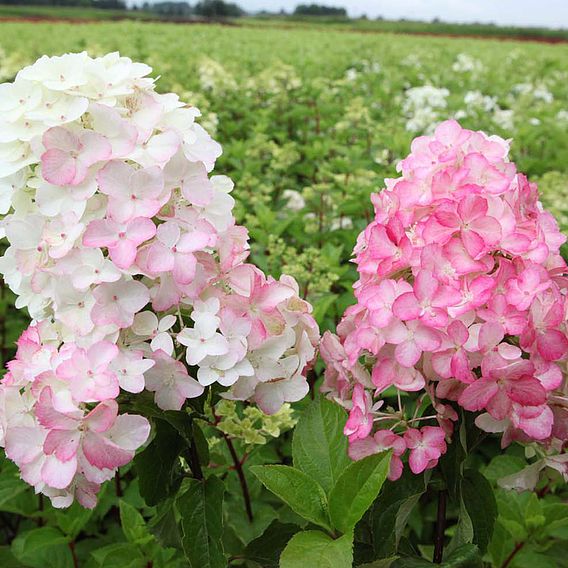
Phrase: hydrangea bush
[461,306]
[125,252]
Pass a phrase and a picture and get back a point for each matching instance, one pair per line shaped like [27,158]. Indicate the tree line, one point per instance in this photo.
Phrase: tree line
[170,8]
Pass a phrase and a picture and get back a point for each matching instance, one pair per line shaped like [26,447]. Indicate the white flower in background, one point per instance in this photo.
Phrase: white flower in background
[504,118]
[538,92]
[422,105]
[341,223]
[351,74]
[562,116]
[412,60]
[214,77]
[465,63]
[480,101]
[371,66]
[477,103]
[294,200]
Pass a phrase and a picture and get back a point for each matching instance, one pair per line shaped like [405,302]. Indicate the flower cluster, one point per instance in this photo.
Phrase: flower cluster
[422,106]
[126,254]
[461,300]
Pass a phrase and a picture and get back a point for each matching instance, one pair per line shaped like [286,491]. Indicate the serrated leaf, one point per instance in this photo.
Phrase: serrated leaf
[316,549]
[503,466]
[381,563]
[156,464]
[501,544]
[72,520]
[464,532]
[300,492]
[466,556]
[556,515]
[7,559]
[164,526]
[201,510]
[41,547]
[119,555]
[133,524]
[356,489]
[391,511]
[481,505]
[267,548]
[319,447]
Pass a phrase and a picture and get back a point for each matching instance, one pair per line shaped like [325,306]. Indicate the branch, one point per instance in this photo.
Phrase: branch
[242,479]
[440,527]
[514,552]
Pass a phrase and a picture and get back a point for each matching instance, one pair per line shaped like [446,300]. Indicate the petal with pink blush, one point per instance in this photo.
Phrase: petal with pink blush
[123,254]
[62,443]
[407,353]
[552,345]
[102,417]
[58,167]
[58,474]
[102,453]
[527,391]
[129,431]
[406,307]
[476,396]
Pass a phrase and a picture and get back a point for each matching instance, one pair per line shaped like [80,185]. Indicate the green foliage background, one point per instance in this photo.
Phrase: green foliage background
[319,111]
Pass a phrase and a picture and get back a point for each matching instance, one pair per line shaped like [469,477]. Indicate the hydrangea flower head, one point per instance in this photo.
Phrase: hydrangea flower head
[461,302]
[125,252]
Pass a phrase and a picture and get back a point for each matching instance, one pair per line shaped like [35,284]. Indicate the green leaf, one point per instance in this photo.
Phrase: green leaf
[503,466]
[119,555]
[412,562]
[200,442]
[300,492]
[556,515]
[481,506]
[235,515]
[164,526]
[41,547]
[501,544]
[451,464]
[466,556]
[16,496]
[133,525]
[201,510]
[319,447]
[381,563]
[7,559]
[316,549]
[464,532]
[356,489]
[72,520]
[266,549]
[391,511]
[156,464]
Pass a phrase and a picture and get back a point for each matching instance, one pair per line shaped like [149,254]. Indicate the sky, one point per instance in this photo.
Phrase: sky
[549,13]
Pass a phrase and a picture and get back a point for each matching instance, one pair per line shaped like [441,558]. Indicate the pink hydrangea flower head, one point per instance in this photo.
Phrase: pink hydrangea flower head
[461,302]
[69,155]
[127,255]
